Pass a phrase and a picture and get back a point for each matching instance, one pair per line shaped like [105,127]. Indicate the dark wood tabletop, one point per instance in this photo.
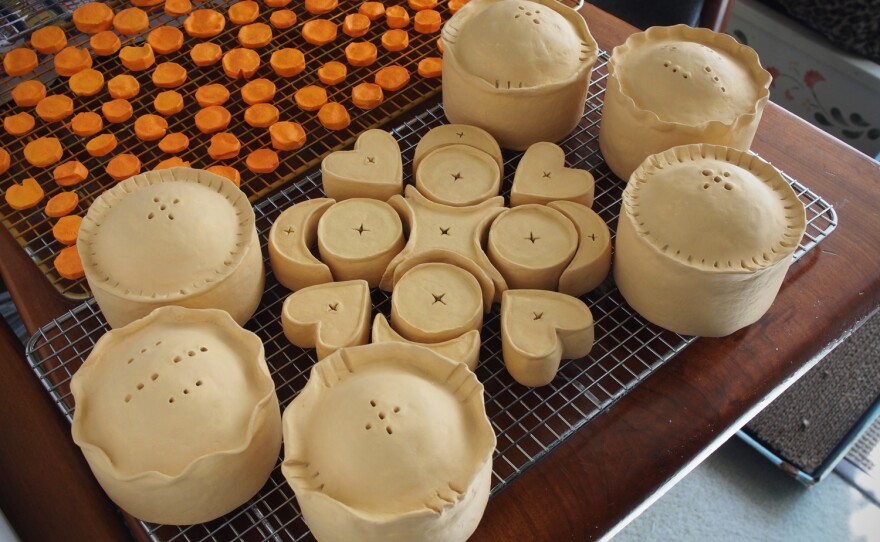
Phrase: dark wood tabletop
[608,470]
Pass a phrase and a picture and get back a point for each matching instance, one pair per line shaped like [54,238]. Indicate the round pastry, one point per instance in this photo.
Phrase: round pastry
[705,237]
[678,85]
[518,69]
[177,236]
[456,134]
[458,175]
[177,415]
[389,441]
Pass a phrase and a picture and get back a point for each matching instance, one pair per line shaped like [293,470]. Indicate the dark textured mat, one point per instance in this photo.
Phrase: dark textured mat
[807,423]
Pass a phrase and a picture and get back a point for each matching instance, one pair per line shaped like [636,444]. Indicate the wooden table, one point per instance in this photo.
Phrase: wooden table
[610,469]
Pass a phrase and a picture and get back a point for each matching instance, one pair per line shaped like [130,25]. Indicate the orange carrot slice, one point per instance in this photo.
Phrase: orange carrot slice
[334,116]
[177,8]
[165,39]
[43,152]
[123,86]
[258,91]
[49,39]
[397,17]
[395,39]
[105,43]
[276,3]
[310,98]
[25,195]
[332,73]
[123,166]
[455,5]
[20,61]
[213,118]
[360,53]
[28,93]
[287,136]
[224,146]
[101,145]
[431,66]
[367,95]
[213,94]
[66,230]
[87,82]
[116,111]
[244,12]
[373,10]
[226,171]
[262,161]
[54,108]
[86,123]
[70,173]
[174,143]
[204,23]
[419,5]
[440,45]
[62,204]
[261,115]
[136,58]
[150,127]
[355,25]
[93,17]
[5,161]
[319,7]
[168,103]
[255,35]
[427,21]
[146,3]
[319,31]
[68,264]
[392,78]
[70,60]
[169,75]
[131,21]
[240,63]
[174,161]
[19,124]
[205,53]
[288,62]
[282,19]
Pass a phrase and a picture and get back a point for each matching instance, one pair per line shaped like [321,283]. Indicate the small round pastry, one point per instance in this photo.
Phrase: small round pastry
[293,234]
[531,245]
[705,237]
[176,236]
[457,134]
[177,415]
[435,302]
[389,441]
[458,175]
[358,237]
[678,85]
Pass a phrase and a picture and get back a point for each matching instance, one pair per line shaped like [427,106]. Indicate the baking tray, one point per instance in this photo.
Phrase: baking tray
[529,422]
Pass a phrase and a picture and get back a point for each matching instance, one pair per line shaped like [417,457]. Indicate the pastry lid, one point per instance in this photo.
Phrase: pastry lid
[166,235]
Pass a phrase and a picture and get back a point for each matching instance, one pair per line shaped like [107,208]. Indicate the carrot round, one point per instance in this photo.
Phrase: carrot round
[261,115]
[310,98]
[395,39]
[226,171]
[287,62]
[392,78]
[355,25]
[373,10]
[244,12]
[87,82]
[169,75]
[62,204]
[70,173]
[49,39]
[68,264]
[5,161]
[360,53]
[282,19]
[123,166]
[334,116]
[287,136]
[131,21]
[168,103]
[255,35]
[431,66]
[54,108]
[205,53]
[276,3]
[20,61]
[123,86]
[332,73]
[240,63]
[367,95]
[150,127]
[213,118]
[66,230]
[319,31]
[105,43]
[319,7]
[427,21]
[174,161]
[174,143]
[28,93]
[116,111]
[25,195]
[136,58]
[419,5]
[258,91]
[440,45]
[224,146]
[93,17]
[397,17]
[213,94]
[86,123]
[455,5]
[262,161]
[70,60]
[165,39]
[101,145]
[19,124]
[177,8]
[204,23]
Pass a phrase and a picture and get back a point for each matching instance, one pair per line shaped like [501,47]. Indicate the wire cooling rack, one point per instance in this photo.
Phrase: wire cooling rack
[528,422]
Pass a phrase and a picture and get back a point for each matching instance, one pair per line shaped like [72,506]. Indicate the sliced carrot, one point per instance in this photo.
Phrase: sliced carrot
[28,93]
[226,171]
[101,145]
[392,78]
[395,39]
[169,75]
[334,116]
[332,73]
[319,7]
[367,95]
[455,5]
[19,124]
[146,3]
[240,63]
[70,173]
[168,103]
[427,21]
[205,53]
[118,110]
[93,17]
[373,10]
[174,143]
[62,204]
[262,161]
[136,58]
[261,115]
[282,19]
[70,60]
[319,31]
[204,23]
[177,8]
[5,161]
[123,86]
[54,108]
[431,66]
[25,195]
[419,5]
[440,45]
[87,82]
[68,263]
[276,3]
[123,166]
[360,53]
[20,61]
[224,146]
[49,39]
[66,230]
[213,118]
[397,17]
[131,21]
[287,136]
[288,62]
[165,39]
[86,123]
[244,12]
[105,43]
[355,25]
[310,98]
[150,127]
[258,91]
[174,161]
[255,35]
[213,94]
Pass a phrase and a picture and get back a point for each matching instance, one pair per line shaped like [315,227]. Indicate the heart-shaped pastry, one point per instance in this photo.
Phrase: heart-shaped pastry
[591,262]
[292,233]
[373,169]
[540,328]
[328,316]
[542,177]
[464,348]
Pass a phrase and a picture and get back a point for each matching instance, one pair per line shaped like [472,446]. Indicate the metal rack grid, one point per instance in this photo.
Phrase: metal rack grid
[32,229]
[528,422]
